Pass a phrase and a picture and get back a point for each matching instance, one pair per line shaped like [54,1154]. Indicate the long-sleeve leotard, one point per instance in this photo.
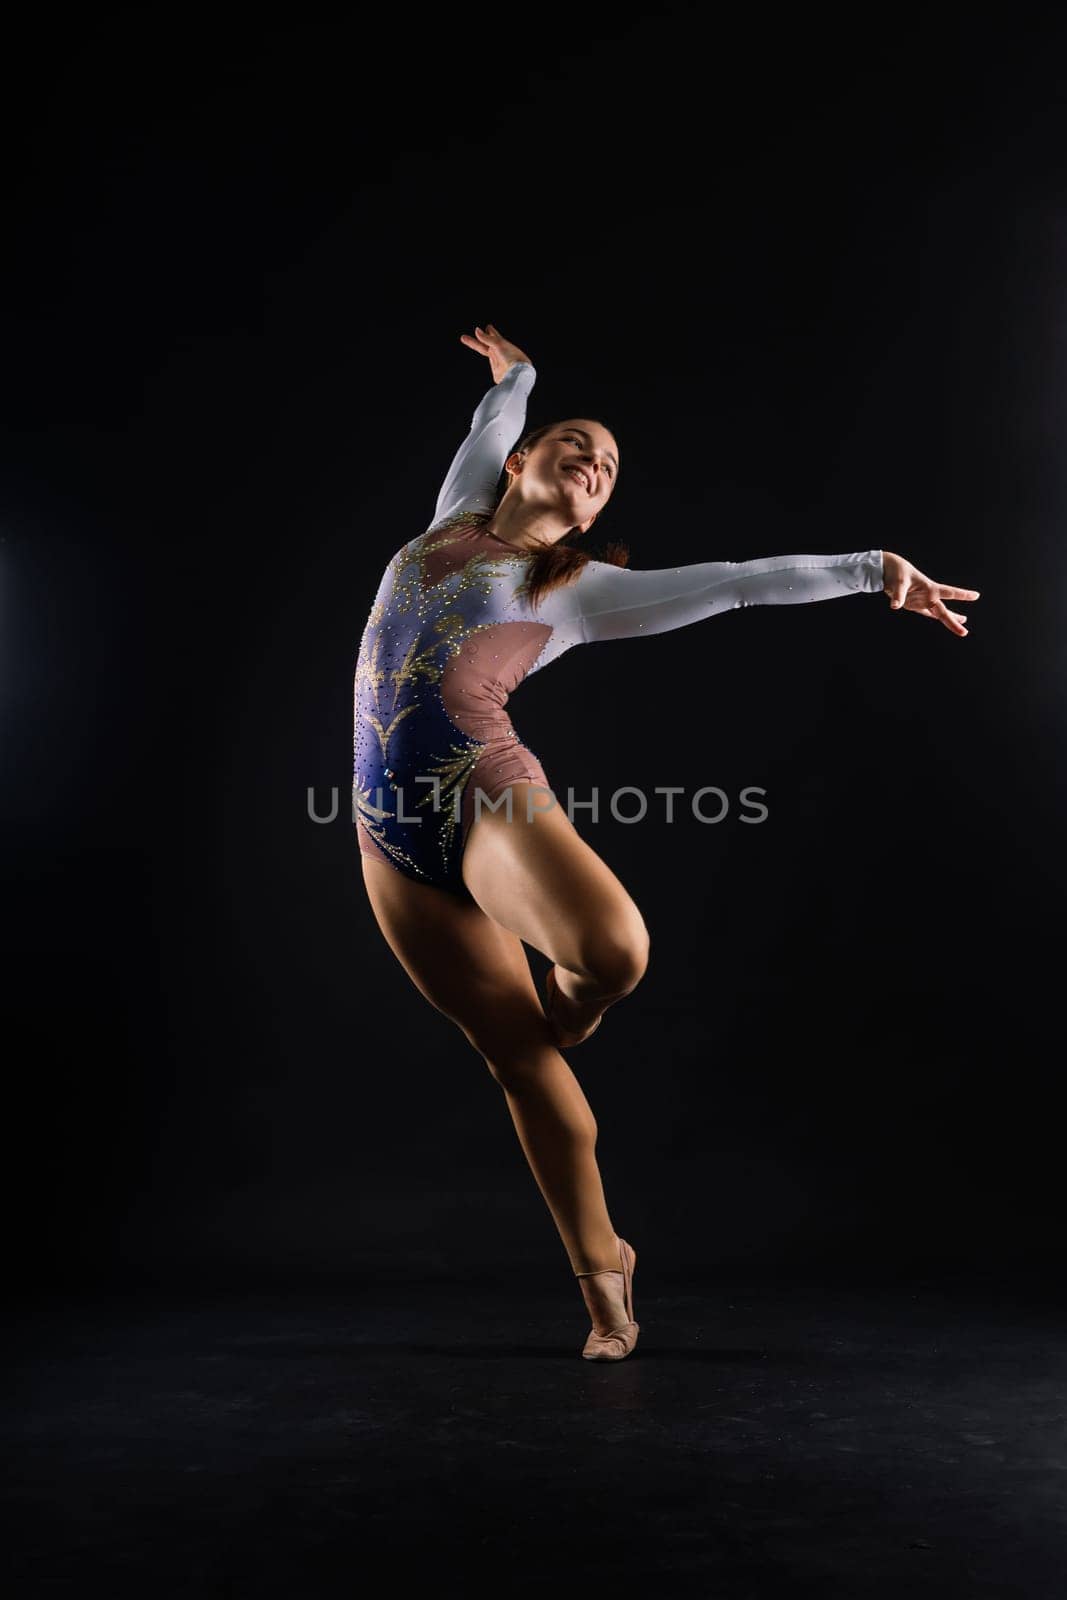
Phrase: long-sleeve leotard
[452,633]
[610,602]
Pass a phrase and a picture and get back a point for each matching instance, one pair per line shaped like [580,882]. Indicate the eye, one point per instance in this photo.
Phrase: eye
[607,464]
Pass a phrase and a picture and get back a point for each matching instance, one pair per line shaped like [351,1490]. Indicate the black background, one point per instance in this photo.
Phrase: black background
[811,272]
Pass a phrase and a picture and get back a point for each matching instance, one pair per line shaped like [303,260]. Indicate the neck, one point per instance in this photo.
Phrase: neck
[527,527]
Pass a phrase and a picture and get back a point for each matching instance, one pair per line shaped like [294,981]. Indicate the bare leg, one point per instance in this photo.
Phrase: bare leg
[476,972]
[535,875]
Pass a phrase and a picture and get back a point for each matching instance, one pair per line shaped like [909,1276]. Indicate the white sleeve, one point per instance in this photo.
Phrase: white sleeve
[619,603]
[497,425]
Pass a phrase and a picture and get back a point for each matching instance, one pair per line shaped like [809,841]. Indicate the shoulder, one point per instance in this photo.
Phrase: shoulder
[457,519]
[596,572]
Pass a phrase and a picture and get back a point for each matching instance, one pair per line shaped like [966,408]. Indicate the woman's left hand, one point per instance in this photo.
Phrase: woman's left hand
[911,590]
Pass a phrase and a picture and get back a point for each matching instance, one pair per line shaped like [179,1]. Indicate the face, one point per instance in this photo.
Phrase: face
[575,465]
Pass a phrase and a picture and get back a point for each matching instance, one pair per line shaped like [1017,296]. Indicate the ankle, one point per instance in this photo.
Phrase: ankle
[606,1260]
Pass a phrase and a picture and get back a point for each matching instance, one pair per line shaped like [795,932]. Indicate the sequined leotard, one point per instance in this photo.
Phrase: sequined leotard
[450,636]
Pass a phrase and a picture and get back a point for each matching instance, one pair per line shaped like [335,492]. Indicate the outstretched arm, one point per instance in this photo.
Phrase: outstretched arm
[619,602]
[472,479]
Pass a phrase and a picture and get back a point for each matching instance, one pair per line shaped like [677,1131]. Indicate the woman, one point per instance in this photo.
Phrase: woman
[465,853]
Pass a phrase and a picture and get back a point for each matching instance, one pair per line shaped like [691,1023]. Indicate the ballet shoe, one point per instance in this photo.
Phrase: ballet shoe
[616,1343]
[551,991]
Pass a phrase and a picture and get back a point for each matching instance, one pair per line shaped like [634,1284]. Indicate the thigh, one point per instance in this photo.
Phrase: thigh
[535,875]
[467,966]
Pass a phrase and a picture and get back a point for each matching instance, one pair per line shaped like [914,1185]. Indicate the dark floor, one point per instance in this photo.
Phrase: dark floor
[772,1437]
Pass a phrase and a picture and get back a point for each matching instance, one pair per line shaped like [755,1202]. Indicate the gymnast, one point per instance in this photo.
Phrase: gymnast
[466,853]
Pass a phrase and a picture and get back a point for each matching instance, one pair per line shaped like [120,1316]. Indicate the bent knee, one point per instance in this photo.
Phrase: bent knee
[618,954]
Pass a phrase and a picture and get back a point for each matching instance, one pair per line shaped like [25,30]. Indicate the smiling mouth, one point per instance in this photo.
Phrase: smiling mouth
[579,477]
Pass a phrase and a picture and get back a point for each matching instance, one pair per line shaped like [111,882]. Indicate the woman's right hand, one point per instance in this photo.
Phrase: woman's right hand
[488,342]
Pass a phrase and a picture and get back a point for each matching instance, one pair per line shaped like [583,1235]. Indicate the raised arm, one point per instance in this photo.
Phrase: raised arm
[496,427]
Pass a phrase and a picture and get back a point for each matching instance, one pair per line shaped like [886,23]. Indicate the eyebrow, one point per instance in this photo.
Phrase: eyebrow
[589,436]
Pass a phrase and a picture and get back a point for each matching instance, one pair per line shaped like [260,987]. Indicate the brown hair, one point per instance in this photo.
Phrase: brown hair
[561,562]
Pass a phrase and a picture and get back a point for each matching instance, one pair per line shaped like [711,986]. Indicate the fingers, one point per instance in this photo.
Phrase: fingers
[953,620]
[948,593]
[483,339]
[929,600]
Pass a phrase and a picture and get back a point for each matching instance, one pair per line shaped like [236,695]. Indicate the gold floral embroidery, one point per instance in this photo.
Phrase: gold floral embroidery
[450,624]
[435,603]
[453,773]
[385,734]
[418,662]
[411,585]
[367,668]
[370,816]
[367,810]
